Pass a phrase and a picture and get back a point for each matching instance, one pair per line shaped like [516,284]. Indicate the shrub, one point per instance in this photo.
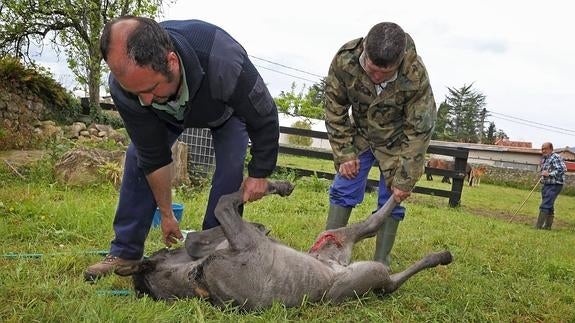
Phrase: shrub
[300,140]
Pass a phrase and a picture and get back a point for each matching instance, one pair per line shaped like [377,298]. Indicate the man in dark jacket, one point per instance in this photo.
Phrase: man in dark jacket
[166,77]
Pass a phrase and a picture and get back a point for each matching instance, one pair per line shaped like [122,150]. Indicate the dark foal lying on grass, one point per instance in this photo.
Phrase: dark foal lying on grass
[237,263]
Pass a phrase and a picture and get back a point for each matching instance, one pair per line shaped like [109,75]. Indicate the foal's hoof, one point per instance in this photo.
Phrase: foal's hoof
[282,188]
[445,257]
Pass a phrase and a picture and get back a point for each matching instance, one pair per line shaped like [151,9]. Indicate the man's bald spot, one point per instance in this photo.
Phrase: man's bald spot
[118,59]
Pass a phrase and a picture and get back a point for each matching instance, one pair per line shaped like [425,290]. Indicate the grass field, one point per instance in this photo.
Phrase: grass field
[503,269]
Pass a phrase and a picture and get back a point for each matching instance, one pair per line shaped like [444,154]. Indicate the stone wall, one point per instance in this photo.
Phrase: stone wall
[18,107]
[522,178]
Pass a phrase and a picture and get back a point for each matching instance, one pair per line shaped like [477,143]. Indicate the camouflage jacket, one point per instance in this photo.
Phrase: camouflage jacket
[396,125]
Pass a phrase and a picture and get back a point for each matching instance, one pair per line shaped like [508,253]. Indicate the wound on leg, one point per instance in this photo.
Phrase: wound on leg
[325,238]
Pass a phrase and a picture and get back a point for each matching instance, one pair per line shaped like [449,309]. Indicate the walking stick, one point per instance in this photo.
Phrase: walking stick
[528,196]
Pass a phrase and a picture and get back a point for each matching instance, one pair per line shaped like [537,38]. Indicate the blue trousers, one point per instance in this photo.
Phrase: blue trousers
[137,204]
[350,192]
[549,194]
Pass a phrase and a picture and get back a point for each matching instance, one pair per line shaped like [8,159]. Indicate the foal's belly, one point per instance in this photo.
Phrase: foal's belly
[266,274]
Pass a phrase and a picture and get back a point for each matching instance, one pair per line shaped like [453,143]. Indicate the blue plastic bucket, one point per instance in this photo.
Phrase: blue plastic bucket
[178,211]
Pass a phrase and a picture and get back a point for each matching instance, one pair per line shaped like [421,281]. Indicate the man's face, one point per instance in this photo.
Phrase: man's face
[150,86]
[376,74]
[546,150]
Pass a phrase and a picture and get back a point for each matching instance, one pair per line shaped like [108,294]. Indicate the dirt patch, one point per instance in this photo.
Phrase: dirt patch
[513,218]
[501,215]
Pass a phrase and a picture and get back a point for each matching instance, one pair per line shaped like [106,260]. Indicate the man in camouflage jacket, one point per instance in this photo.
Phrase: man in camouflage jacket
[385,83]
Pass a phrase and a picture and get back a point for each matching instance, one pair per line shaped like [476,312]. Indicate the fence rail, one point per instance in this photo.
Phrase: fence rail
[457,175]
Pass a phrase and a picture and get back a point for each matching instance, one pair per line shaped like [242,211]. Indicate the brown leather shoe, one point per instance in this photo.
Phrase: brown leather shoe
[108,265]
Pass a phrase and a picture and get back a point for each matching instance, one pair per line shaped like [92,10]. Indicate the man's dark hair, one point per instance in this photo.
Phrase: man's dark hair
[148,44]
[385,44]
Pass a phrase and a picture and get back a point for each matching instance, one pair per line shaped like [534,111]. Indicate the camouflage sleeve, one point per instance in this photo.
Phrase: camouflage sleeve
[337,121]
[420,114]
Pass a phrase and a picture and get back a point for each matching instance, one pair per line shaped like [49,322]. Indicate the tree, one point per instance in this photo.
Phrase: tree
[462,115]
[304,104]
[317,93]
[72,26]
[494,134]
[490,137]
[442,132]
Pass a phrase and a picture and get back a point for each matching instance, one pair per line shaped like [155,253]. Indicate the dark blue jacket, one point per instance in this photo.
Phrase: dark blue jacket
[222,82]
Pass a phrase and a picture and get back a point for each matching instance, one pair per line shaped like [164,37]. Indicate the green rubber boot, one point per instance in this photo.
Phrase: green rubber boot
[384,241]
[337,216]
[540,220]
[548,222]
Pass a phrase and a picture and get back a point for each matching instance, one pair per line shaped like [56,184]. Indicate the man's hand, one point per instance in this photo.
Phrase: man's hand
[170,229]
[399,195]
[544,173]
[349,169]
[254,188]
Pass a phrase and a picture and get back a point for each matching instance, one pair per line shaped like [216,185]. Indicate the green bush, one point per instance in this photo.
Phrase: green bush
[300,140]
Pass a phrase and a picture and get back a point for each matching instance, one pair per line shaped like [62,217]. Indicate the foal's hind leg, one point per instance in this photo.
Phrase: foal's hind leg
[357,279]
[361,277]
[429,261]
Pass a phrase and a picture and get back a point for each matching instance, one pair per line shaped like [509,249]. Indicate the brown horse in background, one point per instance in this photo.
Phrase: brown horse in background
[475,175]
[443,164]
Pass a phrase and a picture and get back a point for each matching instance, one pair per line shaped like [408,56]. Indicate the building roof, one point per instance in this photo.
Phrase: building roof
[513,143]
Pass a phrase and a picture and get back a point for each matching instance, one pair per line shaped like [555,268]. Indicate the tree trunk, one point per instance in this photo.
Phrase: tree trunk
[94,68]
[180,164]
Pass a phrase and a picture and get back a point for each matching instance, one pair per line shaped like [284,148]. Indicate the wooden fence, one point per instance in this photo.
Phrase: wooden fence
[457,175]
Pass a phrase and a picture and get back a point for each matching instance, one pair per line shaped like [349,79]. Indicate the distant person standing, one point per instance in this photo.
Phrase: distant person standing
[384,82]
[553,170]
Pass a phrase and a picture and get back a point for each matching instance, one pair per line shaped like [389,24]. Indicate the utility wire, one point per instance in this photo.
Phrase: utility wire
[541,124]
[531,125]
[288,67]
[291,75]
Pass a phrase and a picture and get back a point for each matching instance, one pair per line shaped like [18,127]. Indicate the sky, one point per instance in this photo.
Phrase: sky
[519,54]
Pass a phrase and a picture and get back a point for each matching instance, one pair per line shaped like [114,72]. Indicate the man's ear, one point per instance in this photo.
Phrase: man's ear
[173,61]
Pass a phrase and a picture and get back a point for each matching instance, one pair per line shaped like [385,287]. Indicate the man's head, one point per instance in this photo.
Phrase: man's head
[547,149]
[383,51]
[141,57]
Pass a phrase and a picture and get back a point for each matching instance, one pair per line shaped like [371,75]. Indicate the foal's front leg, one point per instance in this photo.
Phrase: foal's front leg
[240,234]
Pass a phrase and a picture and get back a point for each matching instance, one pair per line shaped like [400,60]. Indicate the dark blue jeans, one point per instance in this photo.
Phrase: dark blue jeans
[549,194]
[137,204]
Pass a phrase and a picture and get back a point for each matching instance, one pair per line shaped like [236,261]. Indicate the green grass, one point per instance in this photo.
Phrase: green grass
[503,270]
